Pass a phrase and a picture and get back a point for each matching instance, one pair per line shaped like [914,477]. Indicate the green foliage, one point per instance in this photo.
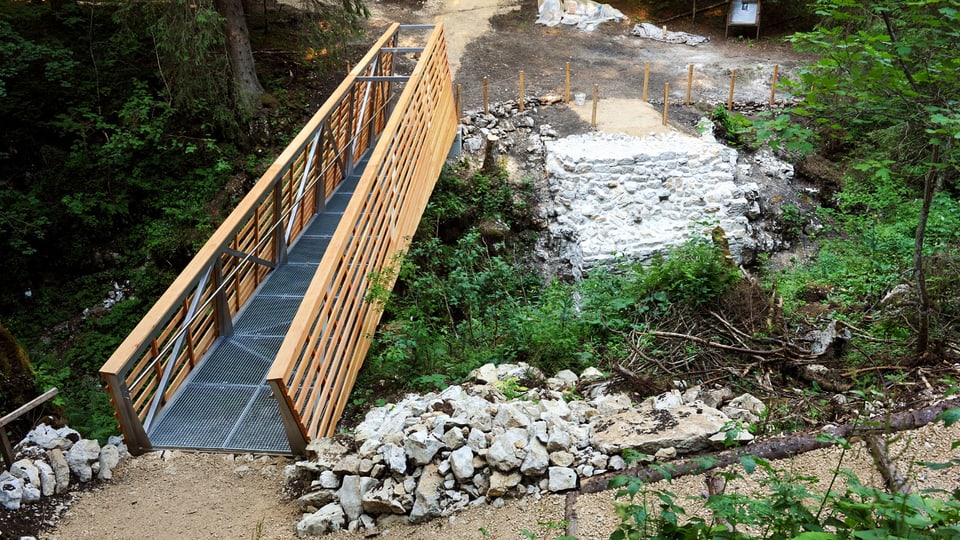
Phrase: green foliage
[465,297]
[734,128]
[788,506]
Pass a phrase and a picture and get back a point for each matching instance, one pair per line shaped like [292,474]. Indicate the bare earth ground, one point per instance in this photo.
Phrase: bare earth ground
[198,496]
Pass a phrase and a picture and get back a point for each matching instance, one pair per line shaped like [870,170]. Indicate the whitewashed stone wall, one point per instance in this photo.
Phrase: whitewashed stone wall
[617,195]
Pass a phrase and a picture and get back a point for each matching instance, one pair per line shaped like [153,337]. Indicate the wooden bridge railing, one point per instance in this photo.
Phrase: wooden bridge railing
[318,362]
[199,307]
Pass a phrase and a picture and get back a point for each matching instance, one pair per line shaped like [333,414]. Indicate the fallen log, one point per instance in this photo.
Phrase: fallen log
[777,448]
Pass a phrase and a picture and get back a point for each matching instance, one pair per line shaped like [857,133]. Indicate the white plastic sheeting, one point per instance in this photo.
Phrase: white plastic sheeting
[584,14]
[654,32]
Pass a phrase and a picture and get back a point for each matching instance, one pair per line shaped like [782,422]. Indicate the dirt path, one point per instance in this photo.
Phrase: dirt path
[199,496]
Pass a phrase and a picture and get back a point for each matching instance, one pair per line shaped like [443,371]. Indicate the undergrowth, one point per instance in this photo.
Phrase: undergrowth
[467,293]
[788,505]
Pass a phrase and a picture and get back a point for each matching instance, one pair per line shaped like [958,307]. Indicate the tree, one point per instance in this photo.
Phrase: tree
[889,71]
[246,85]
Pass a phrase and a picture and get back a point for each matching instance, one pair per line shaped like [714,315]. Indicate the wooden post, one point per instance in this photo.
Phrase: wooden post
[664,32]
[348,67]
[689,84]
[566,86]
[733,83]
[521,91]
[459,104]
[596,98]
[773,84]
[666,101]
[646,80]
[486,101]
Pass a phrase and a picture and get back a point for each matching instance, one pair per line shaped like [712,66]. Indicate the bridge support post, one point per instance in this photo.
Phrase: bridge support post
[222,308]
[134,435]
[279,236]
[290,418]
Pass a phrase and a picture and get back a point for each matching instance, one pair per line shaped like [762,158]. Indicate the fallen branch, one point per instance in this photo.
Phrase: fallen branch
[895,481]
[570,514]
[777,448]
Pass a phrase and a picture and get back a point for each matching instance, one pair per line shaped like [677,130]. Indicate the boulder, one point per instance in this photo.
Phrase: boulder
[591,375]
[27,471]
[382,500]
[461,463]
[81,456]
[31,493]
[686,428]
[327,519]
[316,499]
[48,479]
[421,447]
[394,457]
[512,415]
[109,458]
[501,483]
[11,491]
[507,451]
[61,469]
[351,494]
[426,502]
[561,479]
[537,459]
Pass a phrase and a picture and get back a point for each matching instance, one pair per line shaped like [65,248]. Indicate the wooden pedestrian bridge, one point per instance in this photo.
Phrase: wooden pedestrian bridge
[257,344]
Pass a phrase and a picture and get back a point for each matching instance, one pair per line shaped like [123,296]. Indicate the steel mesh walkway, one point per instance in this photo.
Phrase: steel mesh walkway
[226,403]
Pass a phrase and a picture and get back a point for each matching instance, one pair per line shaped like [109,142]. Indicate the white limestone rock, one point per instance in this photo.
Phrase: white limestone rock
[501,483]
[383,500]
[61,469]
[330,518]
[591,375]
[48,479]
[461,463]
[31,493]
[81,456]
[351,494]
[537,460]
[109,459]
[561,479]
[421,447]
[316,499]
[686,428]
[507,451]
[11,491]
[426,504]
[394,457]
[667,400]
[26,470]
[512,415]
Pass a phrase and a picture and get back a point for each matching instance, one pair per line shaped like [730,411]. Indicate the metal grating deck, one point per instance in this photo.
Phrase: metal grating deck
[226,404]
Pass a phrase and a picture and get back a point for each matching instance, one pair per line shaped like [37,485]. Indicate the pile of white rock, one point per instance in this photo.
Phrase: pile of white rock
[48,460]
[432,455]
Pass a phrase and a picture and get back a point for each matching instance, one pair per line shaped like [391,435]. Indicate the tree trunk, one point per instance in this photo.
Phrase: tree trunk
[923,315]
[246,85]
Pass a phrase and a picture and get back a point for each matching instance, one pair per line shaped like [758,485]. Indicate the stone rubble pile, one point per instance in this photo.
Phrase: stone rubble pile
[48,461]
[432,455]
[608,196]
